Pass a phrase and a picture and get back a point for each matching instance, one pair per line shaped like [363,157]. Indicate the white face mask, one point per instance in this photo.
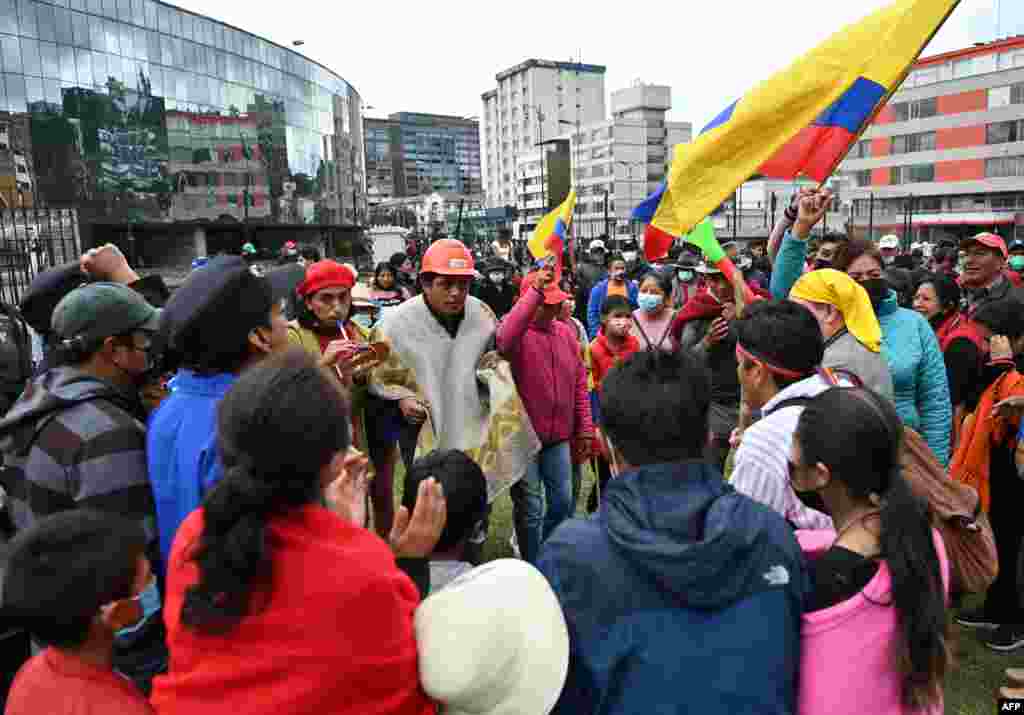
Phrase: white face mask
[496,277]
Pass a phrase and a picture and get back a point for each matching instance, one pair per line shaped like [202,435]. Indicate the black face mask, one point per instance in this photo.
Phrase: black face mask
[812,500]
[820,263]
[878,290]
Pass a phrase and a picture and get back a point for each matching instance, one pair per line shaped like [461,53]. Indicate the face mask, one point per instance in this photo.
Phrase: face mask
[685,276]
[149,604]
[1017,263]
[649,302]
[744,263]
[888,260]
[877,289]
[496,277]
[617,275]
[812,500]
[820,263]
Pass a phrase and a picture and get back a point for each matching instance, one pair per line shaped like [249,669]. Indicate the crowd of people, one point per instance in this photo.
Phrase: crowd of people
[200,512]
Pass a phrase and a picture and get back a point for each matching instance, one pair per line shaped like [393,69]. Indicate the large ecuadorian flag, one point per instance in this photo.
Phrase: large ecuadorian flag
[802,120]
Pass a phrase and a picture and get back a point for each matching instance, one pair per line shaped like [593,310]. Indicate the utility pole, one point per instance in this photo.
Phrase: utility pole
[871,216]
[606,212]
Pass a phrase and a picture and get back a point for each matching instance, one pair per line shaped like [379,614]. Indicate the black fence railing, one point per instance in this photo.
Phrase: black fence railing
[31,241]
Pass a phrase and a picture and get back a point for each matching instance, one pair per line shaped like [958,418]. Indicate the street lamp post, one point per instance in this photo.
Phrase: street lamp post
[629,170]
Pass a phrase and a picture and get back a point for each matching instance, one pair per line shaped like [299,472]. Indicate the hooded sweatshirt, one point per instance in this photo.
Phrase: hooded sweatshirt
[549,373]
[680,596]
[74,441]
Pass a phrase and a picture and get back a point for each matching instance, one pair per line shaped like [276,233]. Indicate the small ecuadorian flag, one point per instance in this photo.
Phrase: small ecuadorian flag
[549,236]
[801,121]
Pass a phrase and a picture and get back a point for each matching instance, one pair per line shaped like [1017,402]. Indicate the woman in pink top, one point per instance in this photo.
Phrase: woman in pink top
[874,628]
[652,321]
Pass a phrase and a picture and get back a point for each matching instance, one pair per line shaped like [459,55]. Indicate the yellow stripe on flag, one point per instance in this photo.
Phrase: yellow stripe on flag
[542,232]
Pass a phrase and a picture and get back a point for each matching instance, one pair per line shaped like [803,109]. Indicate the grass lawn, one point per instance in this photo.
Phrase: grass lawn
[971,685]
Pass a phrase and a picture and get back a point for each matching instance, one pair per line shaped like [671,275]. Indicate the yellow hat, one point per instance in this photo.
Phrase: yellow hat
[833,287]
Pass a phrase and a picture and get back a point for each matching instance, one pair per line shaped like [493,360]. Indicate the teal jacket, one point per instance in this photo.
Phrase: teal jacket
[918,370]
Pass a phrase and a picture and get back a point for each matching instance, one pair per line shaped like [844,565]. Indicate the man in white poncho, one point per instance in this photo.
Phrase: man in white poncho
[448,379]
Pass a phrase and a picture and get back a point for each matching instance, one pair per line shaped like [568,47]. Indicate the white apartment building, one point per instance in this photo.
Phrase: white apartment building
[534,101]
[623,158]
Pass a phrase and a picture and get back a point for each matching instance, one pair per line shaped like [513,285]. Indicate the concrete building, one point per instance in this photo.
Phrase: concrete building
[413,154]
[618,160]
[946,155]
[534,101]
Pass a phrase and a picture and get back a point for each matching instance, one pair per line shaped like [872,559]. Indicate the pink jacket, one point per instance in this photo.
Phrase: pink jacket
[846,660]
[550,377]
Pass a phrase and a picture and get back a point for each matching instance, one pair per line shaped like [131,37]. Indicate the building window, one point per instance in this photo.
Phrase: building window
[1017,94]
[1003,132]
[906,111]
[1004,166]
[862,178]
[910,143]
[915,174]
[861,150]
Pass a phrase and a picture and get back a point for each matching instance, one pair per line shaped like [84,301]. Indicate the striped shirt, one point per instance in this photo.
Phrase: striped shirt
[761,470]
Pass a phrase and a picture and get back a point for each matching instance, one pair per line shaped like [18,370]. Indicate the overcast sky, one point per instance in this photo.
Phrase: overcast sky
[404,55]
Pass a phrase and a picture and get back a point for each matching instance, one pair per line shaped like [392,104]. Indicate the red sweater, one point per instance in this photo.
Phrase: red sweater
[335,633]
[603,357]
[58,683]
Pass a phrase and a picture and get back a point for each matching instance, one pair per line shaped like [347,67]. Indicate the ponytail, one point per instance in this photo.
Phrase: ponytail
[918,592]
[232,554]
[277,428]
[859,436]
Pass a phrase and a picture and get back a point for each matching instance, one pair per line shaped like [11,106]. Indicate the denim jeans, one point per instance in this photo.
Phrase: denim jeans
[548,478]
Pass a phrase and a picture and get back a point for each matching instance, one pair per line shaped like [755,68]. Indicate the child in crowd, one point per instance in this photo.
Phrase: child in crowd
[465,493]
[73,580]
[613,344]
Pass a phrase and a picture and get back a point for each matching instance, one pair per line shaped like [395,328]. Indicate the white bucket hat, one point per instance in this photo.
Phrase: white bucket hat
[494,642]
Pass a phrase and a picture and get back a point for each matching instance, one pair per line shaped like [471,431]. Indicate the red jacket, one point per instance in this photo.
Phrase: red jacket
[603,357]
[549,374]
[333,631]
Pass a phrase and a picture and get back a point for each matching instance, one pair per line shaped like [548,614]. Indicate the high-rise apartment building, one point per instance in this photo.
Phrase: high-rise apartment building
[615,162]
[414,154]
[534,101]
[946,154]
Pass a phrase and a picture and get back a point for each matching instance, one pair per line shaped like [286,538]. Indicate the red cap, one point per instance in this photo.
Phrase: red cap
[988,240]
[325,274]
[553,295]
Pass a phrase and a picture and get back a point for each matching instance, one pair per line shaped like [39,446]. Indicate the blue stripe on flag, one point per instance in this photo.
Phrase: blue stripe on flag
[644,213]
[560,227]
[854,107]
[721,119]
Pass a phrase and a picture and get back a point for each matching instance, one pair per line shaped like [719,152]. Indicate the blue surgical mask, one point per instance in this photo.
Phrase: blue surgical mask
[685,276]
[149,601]
[649,302]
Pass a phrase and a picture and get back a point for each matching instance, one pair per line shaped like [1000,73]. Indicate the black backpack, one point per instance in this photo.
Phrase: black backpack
[15,355]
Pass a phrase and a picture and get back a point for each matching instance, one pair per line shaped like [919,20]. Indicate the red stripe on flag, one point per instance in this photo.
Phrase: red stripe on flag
[656,242]
[556,245]
[813,152]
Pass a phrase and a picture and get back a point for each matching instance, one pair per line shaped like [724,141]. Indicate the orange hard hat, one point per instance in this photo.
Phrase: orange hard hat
[448,257]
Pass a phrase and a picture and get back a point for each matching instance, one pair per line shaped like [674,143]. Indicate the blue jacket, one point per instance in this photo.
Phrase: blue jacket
[181,447]
[597,296]
[918,371]
[681,596]
[788,266]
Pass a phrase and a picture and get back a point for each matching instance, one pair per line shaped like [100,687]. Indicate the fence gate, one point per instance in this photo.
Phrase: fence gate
[31,241]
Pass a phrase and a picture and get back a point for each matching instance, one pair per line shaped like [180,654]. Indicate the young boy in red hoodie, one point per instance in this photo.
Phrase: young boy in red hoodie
[73,580]
[613,344]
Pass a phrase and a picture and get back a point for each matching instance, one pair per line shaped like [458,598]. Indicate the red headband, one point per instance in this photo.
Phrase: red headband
[741,352]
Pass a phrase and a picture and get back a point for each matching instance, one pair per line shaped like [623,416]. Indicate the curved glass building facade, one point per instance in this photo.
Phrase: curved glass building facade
[140,114]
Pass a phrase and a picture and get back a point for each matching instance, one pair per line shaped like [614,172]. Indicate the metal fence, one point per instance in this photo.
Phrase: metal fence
[31,241]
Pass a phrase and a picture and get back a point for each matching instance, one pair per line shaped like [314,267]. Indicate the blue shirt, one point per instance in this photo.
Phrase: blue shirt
[181,448]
